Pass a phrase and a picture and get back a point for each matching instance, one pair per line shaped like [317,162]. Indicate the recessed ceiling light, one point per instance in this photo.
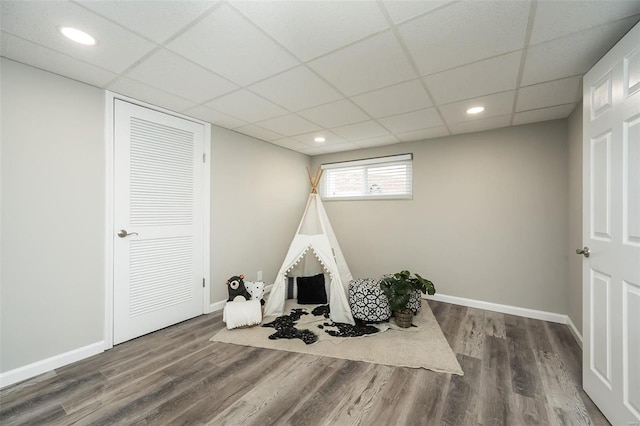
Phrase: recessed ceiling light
[78,36]
[475,110]
[319,139]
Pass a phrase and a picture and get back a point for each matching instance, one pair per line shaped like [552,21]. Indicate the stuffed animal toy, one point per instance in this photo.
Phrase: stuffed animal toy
[237,288]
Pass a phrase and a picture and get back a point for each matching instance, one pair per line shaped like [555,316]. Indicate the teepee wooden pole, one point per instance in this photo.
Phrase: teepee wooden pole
[314,180]
[310,178]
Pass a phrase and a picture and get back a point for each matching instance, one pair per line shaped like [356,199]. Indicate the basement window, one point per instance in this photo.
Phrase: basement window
[381,178]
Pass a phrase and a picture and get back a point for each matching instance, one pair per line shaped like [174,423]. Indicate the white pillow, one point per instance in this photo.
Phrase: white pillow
[255,289]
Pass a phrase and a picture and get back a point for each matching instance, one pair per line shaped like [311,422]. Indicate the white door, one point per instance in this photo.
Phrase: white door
[158,218]
[611,231]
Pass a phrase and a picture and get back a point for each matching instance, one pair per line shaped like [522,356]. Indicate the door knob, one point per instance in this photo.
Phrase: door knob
[123,233]
[584,251]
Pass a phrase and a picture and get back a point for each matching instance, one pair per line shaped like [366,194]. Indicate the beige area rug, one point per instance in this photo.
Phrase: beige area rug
[423,346]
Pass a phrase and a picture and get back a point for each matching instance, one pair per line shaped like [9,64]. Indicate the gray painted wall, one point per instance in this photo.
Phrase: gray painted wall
[53,212]
[259,192]
[53,201]
[488,219]
[575,216]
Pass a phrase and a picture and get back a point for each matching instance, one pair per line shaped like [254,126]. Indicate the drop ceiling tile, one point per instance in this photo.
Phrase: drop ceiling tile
[117,48]
[156,20]
[480,125]
[259,132]
[341,147]
[313,28]
[417,135]
[137,90]
[168,71]
[377,141]
[481,78]
[330,138]
[291,144]
[367,65]
[543,95]
[296,89]
[247,106]
[334,114]
[400,11]
[289,125]
[35,55]
[571,55]
[495,105]
[555,19]
[318,150]
[229,45]
[365,130]
[465,32]
[214,117]
[543,114]
[396,99]
[416,120]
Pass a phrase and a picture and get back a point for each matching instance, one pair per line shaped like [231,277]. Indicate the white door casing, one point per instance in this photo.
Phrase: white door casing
[611,231]
[158,267]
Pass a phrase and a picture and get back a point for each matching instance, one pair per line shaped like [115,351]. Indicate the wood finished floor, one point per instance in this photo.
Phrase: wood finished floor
[517,372]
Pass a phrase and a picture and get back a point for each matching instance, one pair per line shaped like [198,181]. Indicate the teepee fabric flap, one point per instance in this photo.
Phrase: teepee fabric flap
[316,235]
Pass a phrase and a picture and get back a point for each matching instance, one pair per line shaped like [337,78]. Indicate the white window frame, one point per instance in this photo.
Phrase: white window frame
[366,163]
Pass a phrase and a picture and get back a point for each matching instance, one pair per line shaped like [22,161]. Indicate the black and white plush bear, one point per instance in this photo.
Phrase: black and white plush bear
[237,288]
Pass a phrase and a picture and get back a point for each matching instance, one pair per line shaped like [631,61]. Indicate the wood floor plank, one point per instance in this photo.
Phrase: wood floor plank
[92,397]
[282,408]
[538,335]
[59,388]
[428,398]
[184,403]
[27,387]
[528,411]
[525,377]
[450,324]
[496,379]
[562,395]
[564,344]
[494,325]
[353,407]
[292,380]
[522,372]
[230,383]
[472,334]
[320,402]
[44,415]
[462,403]
[97,407]
[393,394]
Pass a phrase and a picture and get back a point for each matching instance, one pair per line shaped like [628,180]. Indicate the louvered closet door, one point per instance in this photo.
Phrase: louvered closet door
[158,244]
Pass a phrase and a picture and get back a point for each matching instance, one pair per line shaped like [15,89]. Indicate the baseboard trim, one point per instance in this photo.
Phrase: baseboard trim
[217,306]
[505,309]
[39,367]
[574,331]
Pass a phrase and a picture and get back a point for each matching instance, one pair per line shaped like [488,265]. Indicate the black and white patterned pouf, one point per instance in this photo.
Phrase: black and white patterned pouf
[415,302]
[367,300]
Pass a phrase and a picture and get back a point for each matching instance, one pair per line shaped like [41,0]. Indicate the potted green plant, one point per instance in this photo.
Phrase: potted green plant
[398,289]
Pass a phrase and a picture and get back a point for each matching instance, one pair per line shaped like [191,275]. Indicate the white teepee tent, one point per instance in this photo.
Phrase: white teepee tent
[315,249]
